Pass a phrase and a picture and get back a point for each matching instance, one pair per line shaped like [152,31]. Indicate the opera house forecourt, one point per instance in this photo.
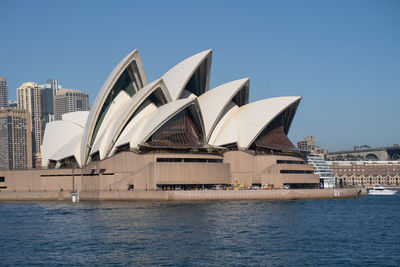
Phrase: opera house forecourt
[148,140]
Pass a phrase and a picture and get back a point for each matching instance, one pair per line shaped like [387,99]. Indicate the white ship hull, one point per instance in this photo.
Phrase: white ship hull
[382,192]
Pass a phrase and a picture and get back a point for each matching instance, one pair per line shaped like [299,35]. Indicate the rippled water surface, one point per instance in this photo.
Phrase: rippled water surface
[346,232]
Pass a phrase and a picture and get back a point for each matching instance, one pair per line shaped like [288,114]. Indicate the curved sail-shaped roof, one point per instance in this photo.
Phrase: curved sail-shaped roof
[96,146]
[157,119]
[191,74]
[153,92]
[152,123]
[77,117]
[68,150]
[126,134]
[248,121]
[112,114]
[214,102]
[56,135]
[229,113]
[176,111]
[128,75]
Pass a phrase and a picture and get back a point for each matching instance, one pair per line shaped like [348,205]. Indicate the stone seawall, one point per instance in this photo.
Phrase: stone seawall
[34,196]
[184,195]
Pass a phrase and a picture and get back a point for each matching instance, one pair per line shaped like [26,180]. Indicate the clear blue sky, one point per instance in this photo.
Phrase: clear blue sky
[343,57]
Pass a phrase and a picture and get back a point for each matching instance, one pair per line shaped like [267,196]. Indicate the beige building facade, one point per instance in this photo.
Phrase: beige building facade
[275,171]
[366,173]
[70,100]
[157,171]
[29,98]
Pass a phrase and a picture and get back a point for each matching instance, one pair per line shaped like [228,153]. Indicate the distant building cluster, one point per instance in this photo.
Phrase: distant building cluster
[363,166]
[23,121]
[310,145]
[366,173]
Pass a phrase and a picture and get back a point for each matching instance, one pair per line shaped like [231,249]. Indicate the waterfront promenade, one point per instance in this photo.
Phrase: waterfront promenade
[279,194]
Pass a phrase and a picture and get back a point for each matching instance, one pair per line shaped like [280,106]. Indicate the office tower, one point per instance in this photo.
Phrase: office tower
[70,100]
[53,84]
[29,97]
[3,92]
[15,139]
[48,92]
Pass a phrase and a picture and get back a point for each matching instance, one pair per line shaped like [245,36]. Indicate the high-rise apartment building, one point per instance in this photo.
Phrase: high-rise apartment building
[70,100]
[3,92]
[29,97]
[15,139]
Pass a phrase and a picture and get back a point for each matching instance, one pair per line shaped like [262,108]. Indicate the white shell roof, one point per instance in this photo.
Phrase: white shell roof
[127,133]
[230,111]
[56,135]
[117,105]
[77,117]
[68,150]
[157,119]
[120,121]
[249,120]
[222,120]
[177,77]
[96,147]
[213,102]
[102,95]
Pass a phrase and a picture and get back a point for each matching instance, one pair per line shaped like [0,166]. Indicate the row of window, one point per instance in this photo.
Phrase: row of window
[281,161]
[188,160]
[368,169]
[85,174]
[359,174]
[368,178]
[297,171]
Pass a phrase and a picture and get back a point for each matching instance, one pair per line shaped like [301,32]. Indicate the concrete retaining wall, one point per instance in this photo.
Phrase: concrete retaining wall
[35,196]
[185,195]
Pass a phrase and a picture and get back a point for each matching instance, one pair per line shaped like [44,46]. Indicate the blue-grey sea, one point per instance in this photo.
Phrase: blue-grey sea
[362,231]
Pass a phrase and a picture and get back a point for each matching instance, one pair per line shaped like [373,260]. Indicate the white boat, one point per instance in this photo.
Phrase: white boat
[380,190]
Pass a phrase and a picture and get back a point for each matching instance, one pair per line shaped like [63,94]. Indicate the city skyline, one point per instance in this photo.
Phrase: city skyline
[342,57]
[21,138]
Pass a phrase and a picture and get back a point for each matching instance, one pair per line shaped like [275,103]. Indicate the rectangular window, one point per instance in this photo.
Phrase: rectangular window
[279,161]
[189,160]
[2,179]
[297,171]
[79,103]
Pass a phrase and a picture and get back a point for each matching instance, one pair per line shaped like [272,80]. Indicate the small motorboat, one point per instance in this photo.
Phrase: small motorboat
[380,190]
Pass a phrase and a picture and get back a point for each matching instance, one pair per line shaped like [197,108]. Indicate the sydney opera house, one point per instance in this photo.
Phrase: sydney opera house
[172,132]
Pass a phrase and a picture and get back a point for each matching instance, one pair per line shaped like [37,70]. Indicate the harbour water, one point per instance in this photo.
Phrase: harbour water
[339,232]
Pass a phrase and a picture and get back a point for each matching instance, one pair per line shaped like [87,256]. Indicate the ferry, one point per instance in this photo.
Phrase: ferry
[380,190]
